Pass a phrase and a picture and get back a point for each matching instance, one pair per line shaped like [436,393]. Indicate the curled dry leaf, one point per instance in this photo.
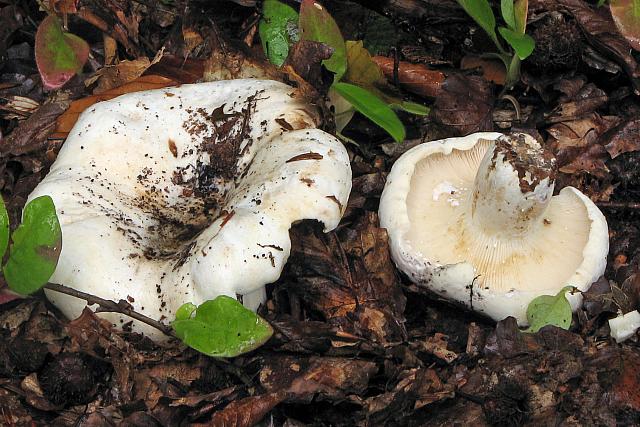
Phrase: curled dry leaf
[121,73]
[623,138]
[415,78]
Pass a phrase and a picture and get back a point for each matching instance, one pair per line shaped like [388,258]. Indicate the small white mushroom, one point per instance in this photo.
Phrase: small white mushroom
[183,194]
[474,219]
[624,326]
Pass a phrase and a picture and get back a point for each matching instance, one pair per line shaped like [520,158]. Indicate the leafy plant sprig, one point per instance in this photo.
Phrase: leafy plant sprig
[514,14]
[281,26]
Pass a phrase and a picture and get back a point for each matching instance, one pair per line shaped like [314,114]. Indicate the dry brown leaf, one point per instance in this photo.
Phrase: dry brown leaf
[121,73]
[624,138]
[493,70]
[464,105]
[246,412]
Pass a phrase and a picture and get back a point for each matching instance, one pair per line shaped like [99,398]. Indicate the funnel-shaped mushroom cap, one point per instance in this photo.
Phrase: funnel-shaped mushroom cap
[183,194]
[474,220]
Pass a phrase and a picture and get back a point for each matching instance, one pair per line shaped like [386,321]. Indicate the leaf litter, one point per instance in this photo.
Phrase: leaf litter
[354,342]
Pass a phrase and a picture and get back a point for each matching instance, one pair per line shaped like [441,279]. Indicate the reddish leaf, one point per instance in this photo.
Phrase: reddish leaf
[626,15]
[59,55]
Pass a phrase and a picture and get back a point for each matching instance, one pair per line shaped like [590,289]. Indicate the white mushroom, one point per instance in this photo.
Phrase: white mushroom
[624,326]
[183,194]
[474,220]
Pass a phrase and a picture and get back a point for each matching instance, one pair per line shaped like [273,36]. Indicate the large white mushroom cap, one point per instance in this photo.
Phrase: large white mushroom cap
[474,220]
[183,194]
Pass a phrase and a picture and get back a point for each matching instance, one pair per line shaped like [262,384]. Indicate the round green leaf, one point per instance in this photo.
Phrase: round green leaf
[278,30]
[372,108]
[550,310]
[222,328]
[35,247]
[316,24]
[4,228]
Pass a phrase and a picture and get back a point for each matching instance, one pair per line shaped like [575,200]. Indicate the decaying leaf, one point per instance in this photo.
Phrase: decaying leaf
[120,74]
[626,15]
[415,78]
[59,55]
[464,105]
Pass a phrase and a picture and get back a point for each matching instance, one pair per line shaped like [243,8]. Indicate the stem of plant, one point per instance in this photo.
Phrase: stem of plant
[109,306]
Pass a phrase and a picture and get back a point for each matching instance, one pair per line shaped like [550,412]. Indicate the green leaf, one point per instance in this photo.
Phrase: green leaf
[550,310]
[506,7]
[522,44]
[373,108]
[626,16]
[481,12]
[316,24]
[411,107]
[221,328]
[185,311]
[35,247]
[59,55]
[4,228]
[520,10]
[278,30]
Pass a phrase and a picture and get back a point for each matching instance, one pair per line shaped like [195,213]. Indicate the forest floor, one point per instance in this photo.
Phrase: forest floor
[355,342]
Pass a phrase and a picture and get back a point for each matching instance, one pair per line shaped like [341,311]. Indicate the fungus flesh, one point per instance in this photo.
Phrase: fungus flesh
[182,194]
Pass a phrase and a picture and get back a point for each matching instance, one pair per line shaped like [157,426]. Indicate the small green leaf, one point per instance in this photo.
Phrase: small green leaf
[278,30]
[59,55]
[185,311]
[411,107]
[522,44]
[506,7]
[316,24]
[550,310]
[373,108]
[4,228]
[520,11]
[35,247]
[221,328]
[481,12]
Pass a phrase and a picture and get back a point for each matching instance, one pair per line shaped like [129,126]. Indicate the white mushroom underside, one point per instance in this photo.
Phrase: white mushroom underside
[541,260]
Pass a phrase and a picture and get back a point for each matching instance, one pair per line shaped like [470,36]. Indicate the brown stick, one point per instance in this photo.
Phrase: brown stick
[109,306]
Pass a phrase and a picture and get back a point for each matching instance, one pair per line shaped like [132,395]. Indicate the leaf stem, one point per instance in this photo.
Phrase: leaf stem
[109,306]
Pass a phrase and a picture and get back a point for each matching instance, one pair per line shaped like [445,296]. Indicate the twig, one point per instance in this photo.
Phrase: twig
[619,205]
[109,306]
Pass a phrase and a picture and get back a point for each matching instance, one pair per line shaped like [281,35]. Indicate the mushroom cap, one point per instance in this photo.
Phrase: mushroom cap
[182,194]
[422,208]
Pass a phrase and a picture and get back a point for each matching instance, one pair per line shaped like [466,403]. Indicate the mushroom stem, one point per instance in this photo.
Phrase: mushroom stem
[512,188]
